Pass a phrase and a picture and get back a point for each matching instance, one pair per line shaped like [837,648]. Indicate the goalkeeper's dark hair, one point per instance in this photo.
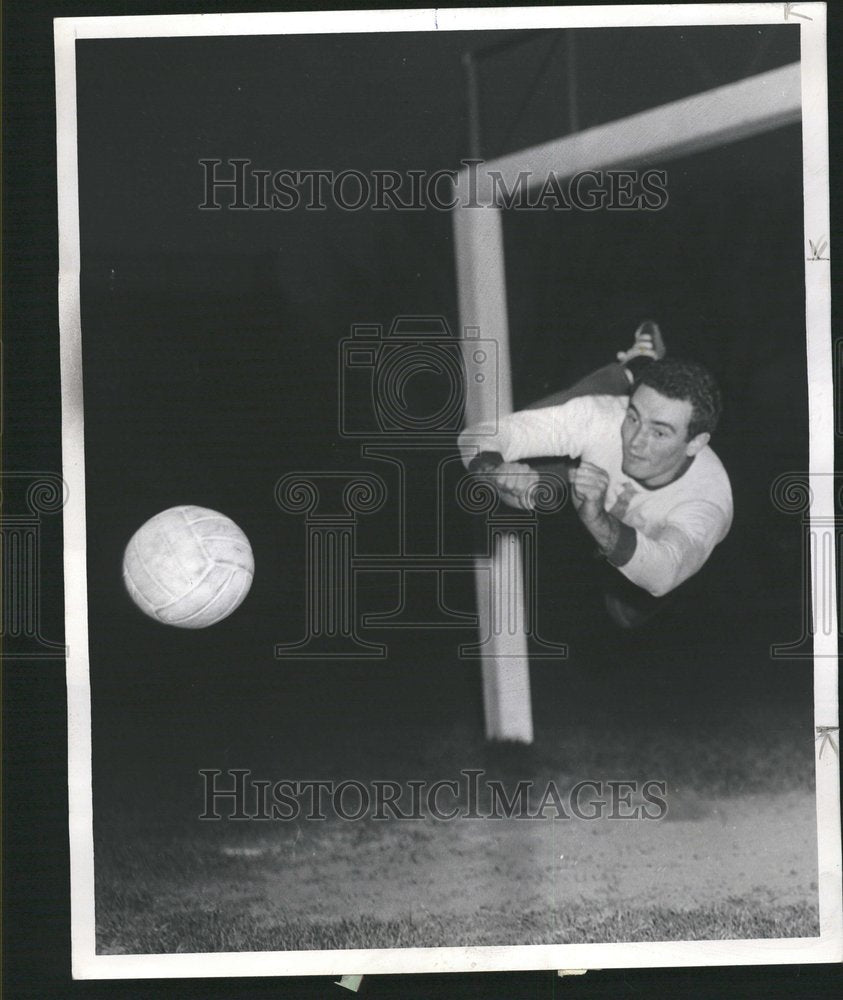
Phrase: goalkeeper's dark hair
[690,381]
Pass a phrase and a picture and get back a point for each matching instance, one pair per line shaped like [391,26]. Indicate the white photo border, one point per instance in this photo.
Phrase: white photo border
[86,964]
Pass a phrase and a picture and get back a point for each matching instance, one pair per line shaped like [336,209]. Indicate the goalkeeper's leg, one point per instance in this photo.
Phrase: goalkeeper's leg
[614,379]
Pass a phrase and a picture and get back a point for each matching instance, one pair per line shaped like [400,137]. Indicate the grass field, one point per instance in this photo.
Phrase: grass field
[214,931]
[325,892]
[734,857]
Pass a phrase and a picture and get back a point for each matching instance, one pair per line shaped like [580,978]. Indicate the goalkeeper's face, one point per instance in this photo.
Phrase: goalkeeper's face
[656,446]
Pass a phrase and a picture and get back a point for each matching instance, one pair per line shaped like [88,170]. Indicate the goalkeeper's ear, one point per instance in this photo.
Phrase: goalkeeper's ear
[696,444]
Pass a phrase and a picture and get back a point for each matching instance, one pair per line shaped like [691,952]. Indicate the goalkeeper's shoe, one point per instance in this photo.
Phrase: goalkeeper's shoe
[647,343]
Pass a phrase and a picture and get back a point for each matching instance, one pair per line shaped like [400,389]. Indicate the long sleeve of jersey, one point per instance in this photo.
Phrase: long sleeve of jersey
[669,554]
[551,431]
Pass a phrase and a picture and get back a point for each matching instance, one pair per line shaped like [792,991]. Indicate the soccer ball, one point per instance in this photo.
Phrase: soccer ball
[188,566]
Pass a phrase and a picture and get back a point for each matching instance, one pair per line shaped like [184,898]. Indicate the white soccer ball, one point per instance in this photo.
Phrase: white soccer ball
[188,566]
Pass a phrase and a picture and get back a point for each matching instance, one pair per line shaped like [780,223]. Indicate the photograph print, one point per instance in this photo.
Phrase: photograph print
[448,437]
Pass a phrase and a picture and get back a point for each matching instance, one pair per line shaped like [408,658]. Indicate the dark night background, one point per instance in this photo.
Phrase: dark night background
[211,346]
[211,342]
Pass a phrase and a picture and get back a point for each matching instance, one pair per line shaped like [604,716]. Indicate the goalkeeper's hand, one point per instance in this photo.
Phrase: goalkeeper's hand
[513,481]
